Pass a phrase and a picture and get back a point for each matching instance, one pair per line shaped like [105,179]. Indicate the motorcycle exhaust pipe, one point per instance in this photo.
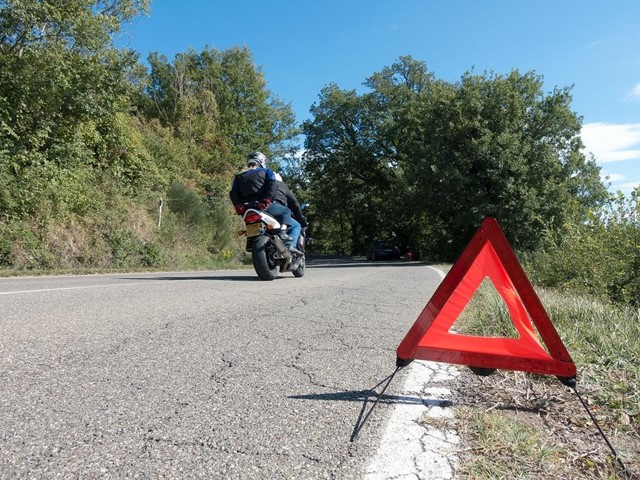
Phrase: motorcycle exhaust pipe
[282,248]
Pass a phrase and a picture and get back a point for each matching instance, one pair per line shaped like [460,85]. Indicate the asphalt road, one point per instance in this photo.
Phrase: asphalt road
[201,375]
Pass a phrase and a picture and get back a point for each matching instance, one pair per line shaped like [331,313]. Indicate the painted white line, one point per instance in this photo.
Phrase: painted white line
[440,272]
[71,288]
[411,448]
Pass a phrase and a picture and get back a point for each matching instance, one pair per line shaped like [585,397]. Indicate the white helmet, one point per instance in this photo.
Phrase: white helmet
[258,158]
[278,177]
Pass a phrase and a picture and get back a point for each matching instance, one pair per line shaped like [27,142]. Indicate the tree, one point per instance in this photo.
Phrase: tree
[349,170]
[449,155]
[89,139]
[498,146]
[62,84]
[218,103]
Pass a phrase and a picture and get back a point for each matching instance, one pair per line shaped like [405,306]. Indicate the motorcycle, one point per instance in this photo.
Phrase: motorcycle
[269,254]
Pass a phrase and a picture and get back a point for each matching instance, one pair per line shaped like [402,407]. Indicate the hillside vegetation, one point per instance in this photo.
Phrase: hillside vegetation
[92,143]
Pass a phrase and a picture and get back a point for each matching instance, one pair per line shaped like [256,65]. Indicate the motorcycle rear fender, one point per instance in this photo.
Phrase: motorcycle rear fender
[266,218]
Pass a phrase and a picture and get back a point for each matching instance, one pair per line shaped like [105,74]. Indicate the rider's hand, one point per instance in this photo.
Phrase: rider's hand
[264,204]
[239,208]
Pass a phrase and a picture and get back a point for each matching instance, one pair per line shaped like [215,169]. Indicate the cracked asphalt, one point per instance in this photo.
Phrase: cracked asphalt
[203,374]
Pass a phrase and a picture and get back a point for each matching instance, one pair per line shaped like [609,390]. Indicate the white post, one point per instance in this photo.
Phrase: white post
[160,205]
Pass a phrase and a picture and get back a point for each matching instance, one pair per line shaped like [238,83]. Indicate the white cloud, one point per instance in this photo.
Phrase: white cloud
[597,43]
[635,91]
[612,142]
[612,177]
[629,186]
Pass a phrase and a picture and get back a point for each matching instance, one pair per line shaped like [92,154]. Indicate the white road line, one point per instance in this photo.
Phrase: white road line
[411,447]
[71,288]
[440,272]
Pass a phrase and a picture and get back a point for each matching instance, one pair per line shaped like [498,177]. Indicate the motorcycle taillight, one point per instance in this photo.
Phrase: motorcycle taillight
[252,217]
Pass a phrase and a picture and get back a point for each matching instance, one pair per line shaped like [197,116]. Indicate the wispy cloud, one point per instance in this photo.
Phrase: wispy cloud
[628,187]
[613,177]
[612,142]
[597,43]
[635,91]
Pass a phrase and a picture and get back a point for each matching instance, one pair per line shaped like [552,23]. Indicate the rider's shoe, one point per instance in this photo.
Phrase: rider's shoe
[286,238]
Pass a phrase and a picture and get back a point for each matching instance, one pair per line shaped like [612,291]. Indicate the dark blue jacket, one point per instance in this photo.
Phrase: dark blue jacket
[253,185]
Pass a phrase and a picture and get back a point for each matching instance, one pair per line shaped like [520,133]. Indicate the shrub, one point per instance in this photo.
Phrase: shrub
[600,257]
[154,255]
[186,202]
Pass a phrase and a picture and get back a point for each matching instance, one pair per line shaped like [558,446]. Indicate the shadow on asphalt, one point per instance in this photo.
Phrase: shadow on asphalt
[370,397]
[312,262]
[244,278]
[364,396]
[350,262]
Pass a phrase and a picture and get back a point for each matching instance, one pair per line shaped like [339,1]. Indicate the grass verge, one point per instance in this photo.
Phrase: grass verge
[518,425]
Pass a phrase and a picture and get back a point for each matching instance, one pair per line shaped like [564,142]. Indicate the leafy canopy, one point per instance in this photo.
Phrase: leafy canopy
[424,160]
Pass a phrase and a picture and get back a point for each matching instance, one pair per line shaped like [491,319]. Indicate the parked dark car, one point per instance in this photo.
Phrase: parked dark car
[383,250]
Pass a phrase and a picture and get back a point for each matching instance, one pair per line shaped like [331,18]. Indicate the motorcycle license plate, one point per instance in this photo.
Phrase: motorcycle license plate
[253,229]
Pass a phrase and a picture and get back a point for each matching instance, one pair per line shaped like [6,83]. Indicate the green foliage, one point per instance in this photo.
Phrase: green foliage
[154,255]
[20,245]
[78,25]
[599,257]
[124,245]
[186,202]
[499,147]
[348,172]
[425,160]
[217,103]
[63,89]
[89,141]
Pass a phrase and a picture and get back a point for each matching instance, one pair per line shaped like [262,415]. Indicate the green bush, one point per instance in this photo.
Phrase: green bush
[154,255]
[126,248]
[186,202]
[22,247]
[600,257]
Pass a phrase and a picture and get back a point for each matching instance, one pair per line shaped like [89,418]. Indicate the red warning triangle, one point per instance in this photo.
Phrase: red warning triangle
[487,255]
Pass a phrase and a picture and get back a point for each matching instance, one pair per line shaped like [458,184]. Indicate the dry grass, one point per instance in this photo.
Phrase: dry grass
[517,425]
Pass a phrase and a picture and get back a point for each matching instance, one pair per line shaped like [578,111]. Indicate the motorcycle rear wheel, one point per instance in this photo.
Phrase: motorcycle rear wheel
[262,259]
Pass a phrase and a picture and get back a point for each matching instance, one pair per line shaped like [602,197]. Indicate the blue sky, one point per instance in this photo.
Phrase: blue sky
[302,46]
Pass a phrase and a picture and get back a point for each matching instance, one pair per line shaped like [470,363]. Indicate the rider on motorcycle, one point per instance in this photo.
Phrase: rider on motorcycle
[286,197]
[257,185]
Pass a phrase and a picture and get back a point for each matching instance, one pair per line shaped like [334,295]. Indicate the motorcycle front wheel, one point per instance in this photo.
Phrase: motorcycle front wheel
[299,271]
[262,258]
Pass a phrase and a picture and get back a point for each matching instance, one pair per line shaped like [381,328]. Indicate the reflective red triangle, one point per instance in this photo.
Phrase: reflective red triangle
[487,255]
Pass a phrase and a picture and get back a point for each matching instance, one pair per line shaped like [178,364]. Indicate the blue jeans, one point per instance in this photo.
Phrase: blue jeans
[280,213]
[283,215]
[294,231]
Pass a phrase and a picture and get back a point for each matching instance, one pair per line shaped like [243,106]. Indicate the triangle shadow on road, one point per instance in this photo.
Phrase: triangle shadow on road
[371,396]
